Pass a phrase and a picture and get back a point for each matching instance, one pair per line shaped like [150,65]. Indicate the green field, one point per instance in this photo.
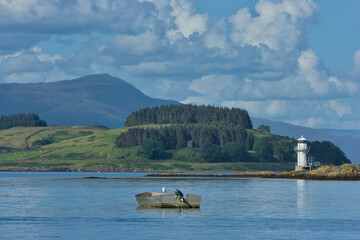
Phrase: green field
[91,148]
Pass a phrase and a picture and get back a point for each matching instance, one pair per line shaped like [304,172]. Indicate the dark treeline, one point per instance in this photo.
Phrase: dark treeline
[21,120]
[179,136]
[189,114]
[327,153]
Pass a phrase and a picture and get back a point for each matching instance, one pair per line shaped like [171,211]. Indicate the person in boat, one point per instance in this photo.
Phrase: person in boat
[179,195]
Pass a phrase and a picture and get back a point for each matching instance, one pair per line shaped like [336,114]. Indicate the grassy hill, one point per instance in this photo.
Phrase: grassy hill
[92,148]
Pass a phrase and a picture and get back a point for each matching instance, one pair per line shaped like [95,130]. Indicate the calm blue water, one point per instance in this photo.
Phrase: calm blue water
[55,206]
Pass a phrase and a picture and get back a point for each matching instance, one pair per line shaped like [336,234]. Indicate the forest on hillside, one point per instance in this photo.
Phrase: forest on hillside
[21,120]
[220,133]
[190,114]
[327,152]
[179,136]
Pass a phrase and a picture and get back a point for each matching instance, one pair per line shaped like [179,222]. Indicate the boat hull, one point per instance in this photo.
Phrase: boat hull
[161,200]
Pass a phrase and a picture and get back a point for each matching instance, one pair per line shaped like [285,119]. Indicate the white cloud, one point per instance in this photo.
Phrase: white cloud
[216,36]
[258,61]
[340,108]
[277,108]
[186,19]
[212,84]
[356,59]
[26,77]
[5,57]
[211,88]
[140,44]
[310,122]
[310,113]
[307,61]
[47,17]
[196,100]
[320,82]
[147,68]
[308,81]
[24,62]
[276,26]
[297,10]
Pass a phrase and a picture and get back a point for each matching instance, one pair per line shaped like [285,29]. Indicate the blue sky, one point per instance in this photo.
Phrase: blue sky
[288,60]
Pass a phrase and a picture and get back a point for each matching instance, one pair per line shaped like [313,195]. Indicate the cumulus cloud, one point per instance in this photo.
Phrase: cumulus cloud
[186,19]
[32,60]
[340,108]
[27,77]
[308,81]
[311,113]
[258,60]
[212,88]
[277,26]
[140,44]
[44,16]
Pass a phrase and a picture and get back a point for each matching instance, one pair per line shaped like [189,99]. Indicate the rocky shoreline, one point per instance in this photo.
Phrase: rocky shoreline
[345,172]
[64,169]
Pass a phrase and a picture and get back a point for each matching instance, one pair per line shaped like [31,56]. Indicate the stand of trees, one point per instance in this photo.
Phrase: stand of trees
[219,132]
[264,128]
[327,153]
[179,136]
[153,149]
[263,149]
[21,120]
[189,114]
[230,152]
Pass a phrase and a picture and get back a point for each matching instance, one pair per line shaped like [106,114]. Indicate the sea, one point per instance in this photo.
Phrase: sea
[69,206]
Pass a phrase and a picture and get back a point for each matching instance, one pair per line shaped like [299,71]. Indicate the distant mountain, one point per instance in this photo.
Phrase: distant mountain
[341,132]
[94,99]
[347,140]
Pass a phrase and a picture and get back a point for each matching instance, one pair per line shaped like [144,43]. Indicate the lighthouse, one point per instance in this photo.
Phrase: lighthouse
[302,149]
[304,162]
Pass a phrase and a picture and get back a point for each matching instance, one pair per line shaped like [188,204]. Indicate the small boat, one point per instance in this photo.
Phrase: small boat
[164,200]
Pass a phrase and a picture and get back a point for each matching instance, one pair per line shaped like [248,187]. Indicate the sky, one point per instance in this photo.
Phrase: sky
[283,60]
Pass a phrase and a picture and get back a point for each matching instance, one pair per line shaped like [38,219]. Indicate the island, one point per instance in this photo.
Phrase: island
[169,138]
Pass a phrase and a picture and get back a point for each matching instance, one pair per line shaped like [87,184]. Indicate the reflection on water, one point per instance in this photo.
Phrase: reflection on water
[58,206]
[169,212]
[301,197]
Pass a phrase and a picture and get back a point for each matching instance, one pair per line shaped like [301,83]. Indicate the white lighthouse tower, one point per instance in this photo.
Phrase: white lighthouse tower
[302,149]
[304,162]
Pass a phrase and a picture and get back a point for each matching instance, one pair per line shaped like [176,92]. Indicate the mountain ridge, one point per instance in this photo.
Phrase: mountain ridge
[91,99]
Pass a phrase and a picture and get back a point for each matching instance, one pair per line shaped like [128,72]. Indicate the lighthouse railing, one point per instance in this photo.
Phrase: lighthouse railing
[311,162]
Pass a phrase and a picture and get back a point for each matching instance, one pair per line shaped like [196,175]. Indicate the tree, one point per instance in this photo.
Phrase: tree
[21,119]
[213,153]
[189,114]
[177,136]
[263,149]
[250,141]
[327,153]
[236,152]
[153,149]
[284,151]
[264,128]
